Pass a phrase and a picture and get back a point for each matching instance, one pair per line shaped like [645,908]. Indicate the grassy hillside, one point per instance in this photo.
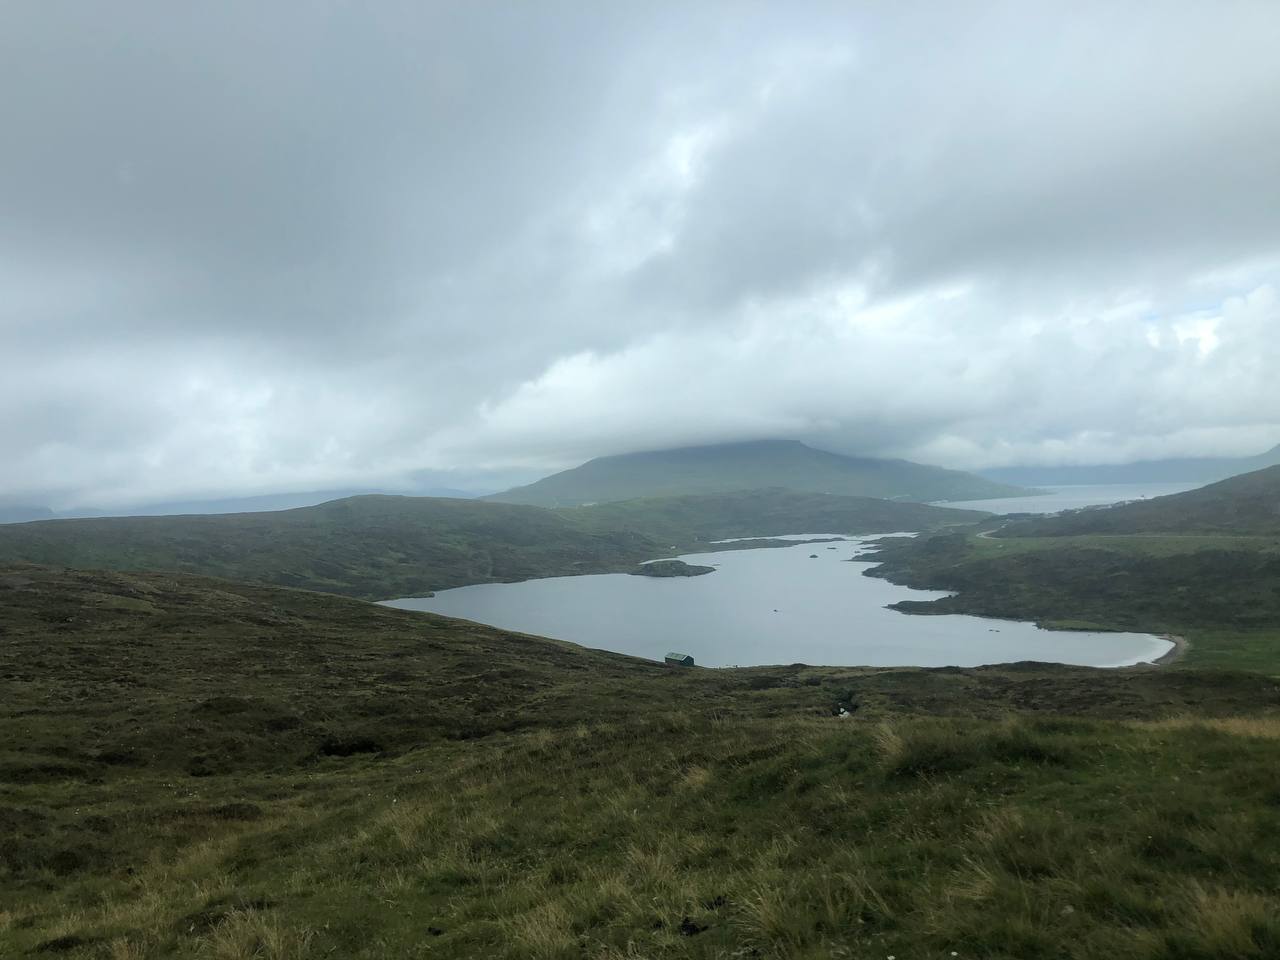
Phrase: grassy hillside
[196,768]
[371,546]
[750,466]
[1247,505]
[379,547]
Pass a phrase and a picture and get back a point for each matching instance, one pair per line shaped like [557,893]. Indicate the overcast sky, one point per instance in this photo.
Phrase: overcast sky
[248,247]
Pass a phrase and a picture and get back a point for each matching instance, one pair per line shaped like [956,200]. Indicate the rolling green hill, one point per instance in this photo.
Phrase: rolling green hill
[379,547]
[194,768]
[375,547]
[750,466]
[1247,505]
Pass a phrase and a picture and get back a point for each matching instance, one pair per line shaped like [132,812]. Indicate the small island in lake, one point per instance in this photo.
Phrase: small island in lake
[670,568]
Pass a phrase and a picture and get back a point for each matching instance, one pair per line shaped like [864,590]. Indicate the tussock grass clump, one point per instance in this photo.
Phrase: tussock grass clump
[932,748]
[250,933]
[1265,727]
[1227,924]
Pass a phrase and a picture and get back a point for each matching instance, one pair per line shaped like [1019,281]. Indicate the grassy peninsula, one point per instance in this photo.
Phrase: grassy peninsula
[1203,564]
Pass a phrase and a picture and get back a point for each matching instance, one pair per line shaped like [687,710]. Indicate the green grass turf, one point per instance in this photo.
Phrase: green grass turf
[198,768]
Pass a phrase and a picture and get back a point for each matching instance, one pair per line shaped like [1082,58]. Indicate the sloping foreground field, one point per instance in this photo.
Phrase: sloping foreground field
[197,768]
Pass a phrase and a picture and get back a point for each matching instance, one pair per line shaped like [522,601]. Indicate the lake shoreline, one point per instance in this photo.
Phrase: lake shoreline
[763,601]
[1174,653]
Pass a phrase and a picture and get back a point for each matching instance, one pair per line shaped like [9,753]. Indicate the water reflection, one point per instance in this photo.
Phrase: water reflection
[802,603]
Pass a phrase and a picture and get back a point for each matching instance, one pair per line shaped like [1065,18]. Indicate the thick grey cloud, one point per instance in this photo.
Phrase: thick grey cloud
[248,248]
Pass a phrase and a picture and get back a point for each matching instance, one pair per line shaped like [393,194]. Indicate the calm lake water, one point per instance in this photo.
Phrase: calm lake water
[1074,497]
[768,606]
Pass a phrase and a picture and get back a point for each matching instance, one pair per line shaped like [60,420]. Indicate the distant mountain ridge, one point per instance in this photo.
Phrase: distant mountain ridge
[262,503]
[760,464]
[22,513]
[1185,470]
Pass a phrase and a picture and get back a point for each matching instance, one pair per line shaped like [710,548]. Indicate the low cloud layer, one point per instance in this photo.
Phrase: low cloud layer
[255,248]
